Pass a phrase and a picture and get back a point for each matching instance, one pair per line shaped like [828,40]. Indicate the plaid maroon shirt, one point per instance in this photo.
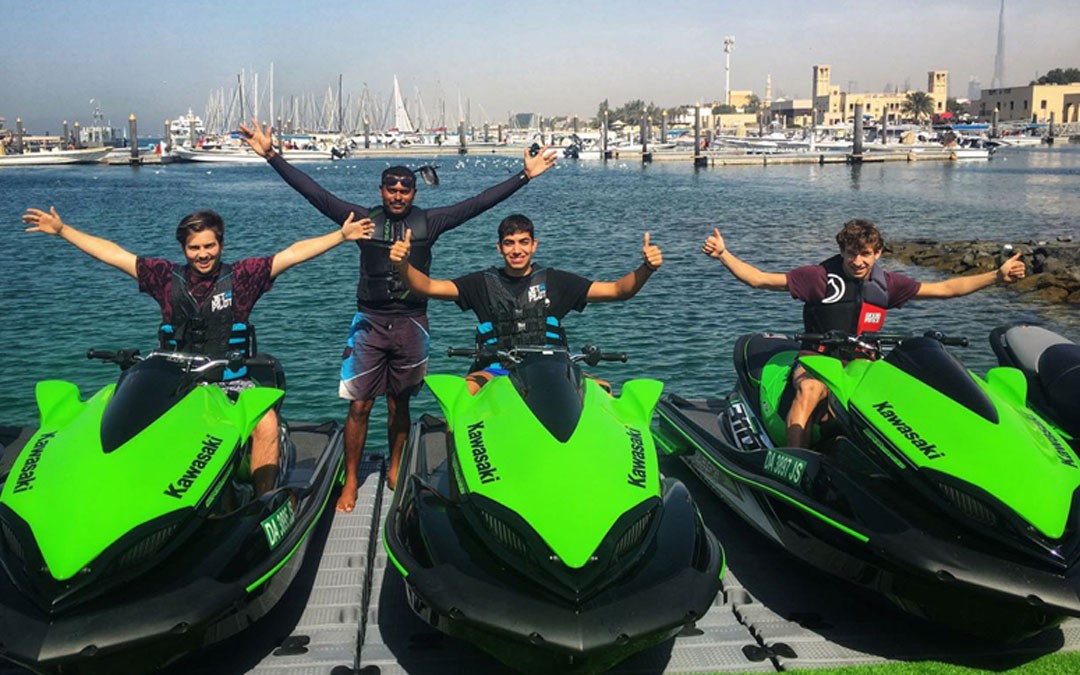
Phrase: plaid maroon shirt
[251,279]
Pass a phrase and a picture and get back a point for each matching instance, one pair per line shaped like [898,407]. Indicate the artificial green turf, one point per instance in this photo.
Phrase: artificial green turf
[1048,664]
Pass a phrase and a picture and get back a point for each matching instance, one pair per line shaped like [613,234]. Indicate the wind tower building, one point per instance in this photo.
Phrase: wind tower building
[937,85]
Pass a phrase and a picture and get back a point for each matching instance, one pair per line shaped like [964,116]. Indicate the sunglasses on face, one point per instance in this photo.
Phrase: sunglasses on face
[407,182]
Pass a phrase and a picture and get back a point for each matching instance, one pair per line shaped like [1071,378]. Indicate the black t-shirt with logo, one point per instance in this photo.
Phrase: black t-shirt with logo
[564,291]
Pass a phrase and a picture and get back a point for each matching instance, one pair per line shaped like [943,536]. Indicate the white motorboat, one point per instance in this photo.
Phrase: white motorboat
[245,156]
[186,130]
[960,152]
[55,156]
[1020,141]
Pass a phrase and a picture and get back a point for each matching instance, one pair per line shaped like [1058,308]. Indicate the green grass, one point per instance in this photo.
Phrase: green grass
[1049,664]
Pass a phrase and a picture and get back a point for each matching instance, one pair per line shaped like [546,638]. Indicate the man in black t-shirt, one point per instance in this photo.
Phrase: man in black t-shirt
[521,303]
[386,351]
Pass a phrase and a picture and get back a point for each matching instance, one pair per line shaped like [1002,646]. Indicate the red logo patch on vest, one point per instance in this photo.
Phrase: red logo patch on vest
[871,318]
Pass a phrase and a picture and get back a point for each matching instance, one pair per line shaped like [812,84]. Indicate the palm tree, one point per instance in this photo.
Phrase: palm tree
[919,104]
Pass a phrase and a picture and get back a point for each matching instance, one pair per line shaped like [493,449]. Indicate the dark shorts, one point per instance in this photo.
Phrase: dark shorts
[384,355]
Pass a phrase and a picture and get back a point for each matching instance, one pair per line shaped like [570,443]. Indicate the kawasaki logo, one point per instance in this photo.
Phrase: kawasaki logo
[479,453]
[210,445]
[25,480]
[1062,452]
[885,409]
[637,476]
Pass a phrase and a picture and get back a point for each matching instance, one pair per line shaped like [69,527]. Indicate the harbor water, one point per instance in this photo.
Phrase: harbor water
[55,302]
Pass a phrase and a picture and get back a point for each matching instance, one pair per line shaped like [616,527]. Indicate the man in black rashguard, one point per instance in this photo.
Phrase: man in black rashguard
[387,346]
[521,303]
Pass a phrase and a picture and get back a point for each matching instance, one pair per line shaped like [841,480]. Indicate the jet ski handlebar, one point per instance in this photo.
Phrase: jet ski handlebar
[125,358]
[193,363]
[875,342]
[590,354]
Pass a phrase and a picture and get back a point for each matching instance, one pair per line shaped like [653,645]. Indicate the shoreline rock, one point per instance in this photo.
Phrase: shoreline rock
[1053,267]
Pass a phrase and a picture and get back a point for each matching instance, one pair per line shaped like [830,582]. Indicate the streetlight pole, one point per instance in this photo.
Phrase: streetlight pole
[729,45]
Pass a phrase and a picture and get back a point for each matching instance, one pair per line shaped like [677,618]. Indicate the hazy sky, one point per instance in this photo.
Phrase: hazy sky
[554,57]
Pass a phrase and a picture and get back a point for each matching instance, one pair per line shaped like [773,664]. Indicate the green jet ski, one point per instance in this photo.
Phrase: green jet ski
[129,532]
[936,488]
[534,522]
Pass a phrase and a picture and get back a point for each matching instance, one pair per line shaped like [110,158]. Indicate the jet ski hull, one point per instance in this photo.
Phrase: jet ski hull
[178,606]
[458,584]
[844,518]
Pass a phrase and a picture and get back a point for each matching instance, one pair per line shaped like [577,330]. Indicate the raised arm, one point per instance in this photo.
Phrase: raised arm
[628,286]
[307,249]
[415,280]
[540,162]
[444,218]
[1011,270]
[102,249]
[260,140]
[743,271]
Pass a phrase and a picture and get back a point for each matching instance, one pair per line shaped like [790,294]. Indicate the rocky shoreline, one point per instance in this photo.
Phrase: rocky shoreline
[1053,267]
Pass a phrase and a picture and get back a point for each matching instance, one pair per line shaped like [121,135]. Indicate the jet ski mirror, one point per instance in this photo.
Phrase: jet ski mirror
[427,173]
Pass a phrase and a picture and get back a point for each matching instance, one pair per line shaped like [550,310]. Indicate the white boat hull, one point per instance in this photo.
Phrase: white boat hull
[969,153]
[246,156]
[54,157]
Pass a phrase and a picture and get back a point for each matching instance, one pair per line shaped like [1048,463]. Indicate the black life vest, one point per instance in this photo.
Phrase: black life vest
[379,279]
[854,307]
[522,319]
[208,328]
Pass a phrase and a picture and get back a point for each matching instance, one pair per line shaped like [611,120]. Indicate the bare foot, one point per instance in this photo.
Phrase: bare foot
[347,501]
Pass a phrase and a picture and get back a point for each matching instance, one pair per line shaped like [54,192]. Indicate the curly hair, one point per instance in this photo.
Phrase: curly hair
[858,234]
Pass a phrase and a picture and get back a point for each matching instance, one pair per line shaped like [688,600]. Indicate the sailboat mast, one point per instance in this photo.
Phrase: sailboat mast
[240,88]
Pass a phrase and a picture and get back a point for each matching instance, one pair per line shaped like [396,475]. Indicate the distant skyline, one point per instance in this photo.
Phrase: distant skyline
[157,60]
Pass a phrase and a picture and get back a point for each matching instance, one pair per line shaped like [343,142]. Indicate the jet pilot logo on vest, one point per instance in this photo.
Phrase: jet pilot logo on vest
[834,289]
[537,292]
[221,301]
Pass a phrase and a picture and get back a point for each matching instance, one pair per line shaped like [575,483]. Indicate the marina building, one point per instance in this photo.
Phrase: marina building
[796,112]
[1032,103]
[832,106]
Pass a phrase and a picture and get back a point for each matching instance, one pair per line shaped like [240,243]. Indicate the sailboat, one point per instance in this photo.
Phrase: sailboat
[402,123]
[399,130]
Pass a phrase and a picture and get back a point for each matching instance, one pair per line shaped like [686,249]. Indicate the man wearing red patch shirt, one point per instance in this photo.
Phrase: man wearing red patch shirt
[848,293]
[206,302]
